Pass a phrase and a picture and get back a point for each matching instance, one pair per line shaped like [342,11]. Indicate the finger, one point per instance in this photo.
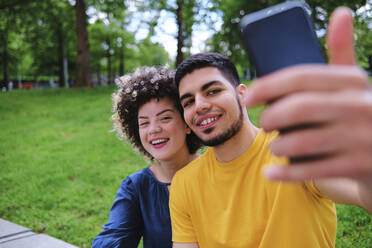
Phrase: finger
[324,140]
[310,142]
[298,109]
[340,37]
[305,78]
[342,165]
[317,108]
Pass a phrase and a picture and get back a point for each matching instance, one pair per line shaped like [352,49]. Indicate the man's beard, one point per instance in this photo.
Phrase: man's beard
[229,133]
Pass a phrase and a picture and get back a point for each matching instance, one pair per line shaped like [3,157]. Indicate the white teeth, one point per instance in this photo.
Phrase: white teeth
[207,121]
[158,141]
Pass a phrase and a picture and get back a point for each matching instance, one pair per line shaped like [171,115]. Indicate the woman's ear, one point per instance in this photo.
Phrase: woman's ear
[188,130]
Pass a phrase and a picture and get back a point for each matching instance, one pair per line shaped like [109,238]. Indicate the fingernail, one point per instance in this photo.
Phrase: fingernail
[272,172]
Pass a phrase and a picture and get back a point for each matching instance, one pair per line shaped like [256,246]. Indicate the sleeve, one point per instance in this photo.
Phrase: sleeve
[182,227]
[124,227]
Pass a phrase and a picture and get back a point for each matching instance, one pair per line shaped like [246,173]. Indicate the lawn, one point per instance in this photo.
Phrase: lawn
[60,166]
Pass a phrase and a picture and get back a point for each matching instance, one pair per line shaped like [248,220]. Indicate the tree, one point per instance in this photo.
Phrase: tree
[4,53]
[185,14]
[228,40]
[50,35]
[181,33]
[10,27]
[82,62]
[363,41]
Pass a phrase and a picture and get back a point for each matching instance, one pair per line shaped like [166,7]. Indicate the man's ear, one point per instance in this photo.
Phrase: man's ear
[242,91]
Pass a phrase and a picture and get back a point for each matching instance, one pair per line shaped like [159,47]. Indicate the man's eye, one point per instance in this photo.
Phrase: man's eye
[187,103]
[214,91]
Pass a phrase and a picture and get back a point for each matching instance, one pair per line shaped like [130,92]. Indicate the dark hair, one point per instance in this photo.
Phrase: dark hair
[201,60]
[134,90]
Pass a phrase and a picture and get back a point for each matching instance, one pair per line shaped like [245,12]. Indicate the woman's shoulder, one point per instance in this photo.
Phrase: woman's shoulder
[137,178]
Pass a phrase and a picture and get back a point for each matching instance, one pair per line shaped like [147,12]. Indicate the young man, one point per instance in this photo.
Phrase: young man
[222,199]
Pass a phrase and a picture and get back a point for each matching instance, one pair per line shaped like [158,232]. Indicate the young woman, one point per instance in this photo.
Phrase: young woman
[149,115]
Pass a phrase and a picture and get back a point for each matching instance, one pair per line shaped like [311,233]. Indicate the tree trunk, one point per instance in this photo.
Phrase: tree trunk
[121,61]
[99,74]
[83,72]
[61,74]
[180,37]
[5,56]
[109,81]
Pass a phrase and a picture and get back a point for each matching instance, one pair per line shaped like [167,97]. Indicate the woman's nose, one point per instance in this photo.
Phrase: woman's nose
[155,128]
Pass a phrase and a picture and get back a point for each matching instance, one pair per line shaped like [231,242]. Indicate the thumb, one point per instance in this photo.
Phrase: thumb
[340,37]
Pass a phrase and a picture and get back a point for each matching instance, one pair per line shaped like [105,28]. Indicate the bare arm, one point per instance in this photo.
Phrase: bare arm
[185,245]
[347,191]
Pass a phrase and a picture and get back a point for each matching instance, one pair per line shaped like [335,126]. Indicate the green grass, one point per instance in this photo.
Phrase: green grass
[60,167]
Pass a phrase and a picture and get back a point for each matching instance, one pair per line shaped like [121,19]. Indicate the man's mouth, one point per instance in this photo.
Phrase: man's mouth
[208,122]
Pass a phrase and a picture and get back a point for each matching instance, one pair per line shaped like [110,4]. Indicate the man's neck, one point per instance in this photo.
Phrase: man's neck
[236,145]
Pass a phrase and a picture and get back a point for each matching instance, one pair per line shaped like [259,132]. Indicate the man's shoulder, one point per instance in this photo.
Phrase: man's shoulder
[271,135]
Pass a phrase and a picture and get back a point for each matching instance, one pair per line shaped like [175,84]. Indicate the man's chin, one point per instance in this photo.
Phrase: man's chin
[215,141]
[208,130]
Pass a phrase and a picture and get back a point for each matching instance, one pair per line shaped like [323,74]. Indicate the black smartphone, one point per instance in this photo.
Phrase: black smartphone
[279,36]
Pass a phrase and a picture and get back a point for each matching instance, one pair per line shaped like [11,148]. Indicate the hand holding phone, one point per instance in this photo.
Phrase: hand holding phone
[280,36]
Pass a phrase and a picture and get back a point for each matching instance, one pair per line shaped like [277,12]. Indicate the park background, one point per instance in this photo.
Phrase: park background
[60,164]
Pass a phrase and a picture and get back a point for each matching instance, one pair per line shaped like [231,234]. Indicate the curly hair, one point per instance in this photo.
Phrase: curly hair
[136,89]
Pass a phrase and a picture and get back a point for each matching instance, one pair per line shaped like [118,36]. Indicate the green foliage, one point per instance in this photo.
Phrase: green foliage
[61,166]
[43,33]
[363,40]
[33,42]
[35,35]
[228,41]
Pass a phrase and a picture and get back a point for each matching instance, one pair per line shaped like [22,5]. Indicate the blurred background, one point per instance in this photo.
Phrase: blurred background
[60,163]
[84,43]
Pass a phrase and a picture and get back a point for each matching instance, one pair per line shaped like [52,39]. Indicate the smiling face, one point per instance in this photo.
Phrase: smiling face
[162,129]
[211,105]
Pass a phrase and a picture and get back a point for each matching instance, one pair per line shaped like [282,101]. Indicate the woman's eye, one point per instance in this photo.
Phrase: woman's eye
[142,124]
[165,118]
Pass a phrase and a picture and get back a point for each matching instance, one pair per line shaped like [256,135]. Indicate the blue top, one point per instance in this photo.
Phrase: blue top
[140,209]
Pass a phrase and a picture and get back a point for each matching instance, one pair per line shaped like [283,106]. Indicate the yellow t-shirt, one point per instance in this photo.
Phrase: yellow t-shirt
[232,205]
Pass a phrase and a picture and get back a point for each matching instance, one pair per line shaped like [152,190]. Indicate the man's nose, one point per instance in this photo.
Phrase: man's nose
[202,105]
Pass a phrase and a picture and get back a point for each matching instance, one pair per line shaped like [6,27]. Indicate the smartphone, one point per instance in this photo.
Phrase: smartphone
[280,36]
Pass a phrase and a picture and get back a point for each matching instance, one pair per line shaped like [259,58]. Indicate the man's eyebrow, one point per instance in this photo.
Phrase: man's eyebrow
[161,112]
[209,84]
[203,88]
[187,95]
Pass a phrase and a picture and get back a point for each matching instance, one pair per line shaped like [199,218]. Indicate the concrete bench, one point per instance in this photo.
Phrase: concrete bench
[16,236]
